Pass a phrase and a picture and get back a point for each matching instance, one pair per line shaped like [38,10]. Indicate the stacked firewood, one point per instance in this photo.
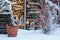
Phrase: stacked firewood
[17,7]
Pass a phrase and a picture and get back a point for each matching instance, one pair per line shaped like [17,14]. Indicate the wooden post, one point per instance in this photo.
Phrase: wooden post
[24,14]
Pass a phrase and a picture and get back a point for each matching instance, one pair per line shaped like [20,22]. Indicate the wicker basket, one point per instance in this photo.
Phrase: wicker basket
[11,31]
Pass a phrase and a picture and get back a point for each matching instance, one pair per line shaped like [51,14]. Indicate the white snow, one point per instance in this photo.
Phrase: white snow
[46,1]
[51,4]
[33,35]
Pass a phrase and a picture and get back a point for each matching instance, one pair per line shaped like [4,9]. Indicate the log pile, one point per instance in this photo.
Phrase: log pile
[17,8]
[37,9]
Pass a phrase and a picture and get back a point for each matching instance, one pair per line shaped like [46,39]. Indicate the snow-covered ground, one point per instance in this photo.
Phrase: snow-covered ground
[33,35]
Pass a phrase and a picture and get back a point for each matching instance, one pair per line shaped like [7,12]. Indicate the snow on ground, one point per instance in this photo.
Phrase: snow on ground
[33,35]
[56,31]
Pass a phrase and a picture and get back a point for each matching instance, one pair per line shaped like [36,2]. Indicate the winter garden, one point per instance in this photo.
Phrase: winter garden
[48,29]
